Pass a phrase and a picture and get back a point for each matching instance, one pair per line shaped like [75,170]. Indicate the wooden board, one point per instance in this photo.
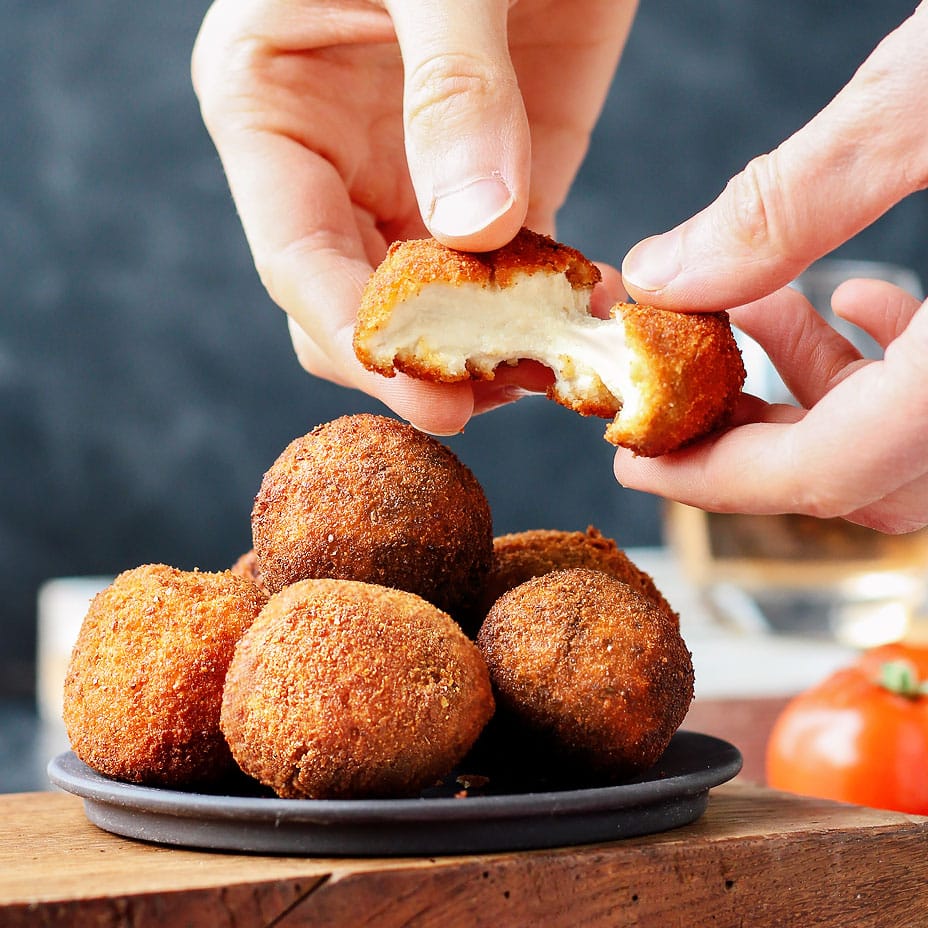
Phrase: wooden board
[756,858]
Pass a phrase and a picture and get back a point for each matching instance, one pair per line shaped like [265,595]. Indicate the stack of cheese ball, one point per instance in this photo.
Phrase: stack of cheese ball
[363,646]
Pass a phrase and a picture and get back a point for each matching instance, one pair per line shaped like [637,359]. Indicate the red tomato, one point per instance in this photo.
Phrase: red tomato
[857,739]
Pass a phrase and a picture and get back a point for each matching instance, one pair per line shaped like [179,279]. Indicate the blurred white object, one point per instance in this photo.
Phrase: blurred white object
[738,662]
[62,605]
[793,574]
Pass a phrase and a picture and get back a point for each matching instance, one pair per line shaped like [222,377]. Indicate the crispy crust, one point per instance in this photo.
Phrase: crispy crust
[689,373]
[144,684]
[520,556]
[411,265]
[685,367]
[589,669]
[247,566]
[369,498]
[343,689]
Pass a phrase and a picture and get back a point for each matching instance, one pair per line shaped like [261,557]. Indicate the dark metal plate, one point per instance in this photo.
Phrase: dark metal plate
[672,793]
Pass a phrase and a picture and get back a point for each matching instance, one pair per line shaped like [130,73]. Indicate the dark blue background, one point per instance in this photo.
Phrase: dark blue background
[146,381]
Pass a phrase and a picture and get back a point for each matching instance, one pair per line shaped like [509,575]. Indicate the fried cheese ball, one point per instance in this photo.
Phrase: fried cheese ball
[247,566]
[369,498]
[344,689]
[664,378]
[593,674]
[519,556]
[144,684]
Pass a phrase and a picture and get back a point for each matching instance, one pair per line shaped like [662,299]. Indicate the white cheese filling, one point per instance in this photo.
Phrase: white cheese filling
[539,316]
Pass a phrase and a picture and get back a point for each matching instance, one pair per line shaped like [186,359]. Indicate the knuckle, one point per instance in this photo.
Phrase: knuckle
[822,499]
[208,56]
[226,74]
[821,506]
[200,65]
[450,89]
[279,272]
[912,154]
[895,524]
[270,278]
[756,205]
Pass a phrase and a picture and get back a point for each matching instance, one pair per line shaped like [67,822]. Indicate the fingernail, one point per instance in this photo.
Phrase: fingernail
[652,264]
[471,208]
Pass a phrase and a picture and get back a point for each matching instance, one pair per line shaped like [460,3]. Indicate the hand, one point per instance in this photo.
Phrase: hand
[859,449]
[856,447]
[866,151]
[334,147]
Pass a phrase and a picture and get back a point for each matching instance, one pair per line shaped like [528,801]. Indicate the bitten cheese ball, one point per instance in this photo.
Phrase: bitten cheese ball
[369,498]
[344,689]
[664,378]
[589,670]
[145,679]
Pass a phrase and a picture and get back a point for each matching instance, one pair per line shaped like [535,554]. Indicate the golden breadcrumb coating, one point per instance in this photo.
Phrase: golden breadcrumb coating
[247,566]
[665,378]
[412,265]
[520,556]
[686,373]
[593,671]
[145,679]
[343,689]
[369,498]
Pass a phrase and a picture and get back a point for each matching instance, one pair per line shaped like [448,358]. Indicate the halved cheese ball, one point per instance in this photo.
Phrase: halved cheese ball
[665,378]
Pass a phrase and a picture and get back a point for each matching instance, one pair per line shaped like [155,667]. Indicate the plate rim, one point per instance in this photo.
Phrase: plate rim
[69,773]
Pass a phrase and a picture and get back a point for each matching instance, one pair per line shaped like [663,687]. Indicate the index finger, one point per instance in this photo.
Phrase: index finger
[862,154]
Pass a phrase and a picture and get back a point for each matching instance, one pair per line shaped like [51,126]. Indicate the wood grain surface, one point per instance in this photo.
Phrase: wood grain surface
[756,858]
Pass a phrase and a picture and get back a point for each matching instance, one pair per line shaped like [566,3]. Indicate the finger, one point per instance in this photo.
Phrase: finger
[566,60]
[440,409]
[313,261]
[467,135]
[863,153]
[318,278]
[313,359]
[607,292]
[321,290]
[527,378]
[880,308]
[749,408]
[295,210]
[810,356]
[905,510]
[867,438]
[280,138]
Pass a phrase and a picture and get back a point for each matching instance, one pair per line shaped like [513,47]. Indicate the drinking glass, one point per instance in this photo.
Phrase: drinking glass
[795,574]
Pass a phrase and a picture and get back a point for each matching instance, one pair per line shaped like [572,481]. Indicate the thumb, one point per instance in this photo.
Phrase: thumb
[467,135]
[858,157]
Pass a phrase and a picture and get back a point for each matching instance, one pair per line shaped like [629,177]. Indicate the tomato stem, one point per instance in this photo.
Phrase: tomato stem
[901,677]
